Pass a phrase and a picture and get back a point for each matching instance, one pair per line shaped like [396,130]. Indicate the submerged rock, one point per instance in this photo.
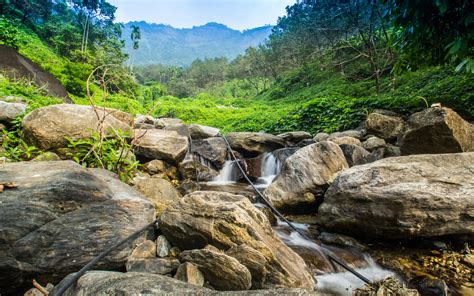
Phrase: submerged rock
[305,176]
[59,217]
[402,197]
[225,221]
[437,130]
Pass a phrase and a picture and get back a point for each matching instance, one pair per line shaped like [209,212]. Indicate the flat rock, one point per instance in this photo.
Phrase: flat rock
[161,123]
[47,128]
[161,144]
[437,130]
[146,249]
[251,144]
[225,221]
[403,197]
[305,176]
[198,131]
[346,140]
[293,138]
[153,265]
[158,191]
[384,126]
[223,272]
[59,217]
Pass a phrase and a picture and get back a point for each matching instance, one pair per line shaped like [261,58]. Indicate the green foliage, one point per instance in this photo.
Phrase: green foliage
[14,147]
[8,33]
[113,154]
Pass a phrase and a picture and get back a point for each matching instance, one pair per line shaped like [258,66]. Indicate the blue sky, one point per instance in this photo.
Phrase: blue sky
[237,14]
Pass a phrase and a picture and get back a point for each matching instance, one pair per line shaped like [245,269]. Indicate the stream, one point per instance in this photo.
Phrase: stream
[331,279]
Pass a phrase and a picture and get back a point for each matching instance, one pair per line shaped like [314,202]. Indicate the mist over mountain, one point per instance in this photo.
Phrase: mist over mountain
[163,44]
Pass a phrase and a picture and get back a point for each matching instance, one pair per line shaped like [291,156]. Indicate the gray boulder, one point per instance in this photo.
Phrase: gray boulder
[153,265]
[9,111]
[161,123]
[293,138]
[198,131]
[160,144]
[305,176]
[355,155]
[59,217]
[437,130]
[253,260]
[225,221]
[403,197]
[211,150]
[385,126]
[373,143]
[251,144]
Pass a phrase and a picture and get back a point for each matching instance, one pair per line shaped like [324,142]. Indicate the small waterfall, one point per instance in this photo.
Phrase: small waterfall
[271,167]
[229,174]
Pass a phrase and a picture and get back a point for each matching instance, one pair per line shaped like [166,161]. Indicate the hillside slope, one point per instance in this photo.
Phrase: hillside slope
[163,44]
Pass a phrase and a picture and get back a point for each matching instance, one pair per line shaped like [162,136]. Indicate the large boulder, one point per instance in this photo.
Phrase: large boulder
[160,144]
[252,144]
[225,221]
[158,191]
[9,111]
[59,216]
[403,197]
[305,176]
[437,130]
[212,151]
[253,260]
[385,126]
[198,131]
[293,138]
[47,128]
[223,272]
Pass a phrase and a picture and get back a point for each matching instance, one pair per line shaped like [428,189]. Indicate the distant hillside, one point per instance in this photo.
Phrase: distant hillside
[163,44]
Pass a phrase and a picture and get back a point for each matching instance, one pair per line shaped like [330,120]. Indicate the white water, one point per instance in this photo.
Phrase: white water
[228,175]
[271,167]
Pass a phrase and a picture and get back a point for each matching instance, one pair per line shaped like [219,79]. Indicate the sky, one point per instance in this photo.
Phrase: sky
[236,14]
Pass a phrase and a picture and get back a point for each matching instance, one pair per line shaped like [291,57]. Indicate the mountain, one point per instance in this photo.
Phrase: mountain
[163,44]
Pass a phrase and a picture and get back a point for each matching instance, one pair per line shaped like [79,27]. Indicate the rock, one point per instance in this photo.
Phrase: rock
[103,283]
[392,151]
[146,249]
[305,176]
[253,260]
[188,186]
[198,131]
[321,137]
[189,273]
[358,134]
[212,150]
[437,130]
[252,144]
[355,155]
[346,140]
[161,123]
[155,167]
[284,153]
[10,111]
[196,171]
[153,265]
[388,286]
[163,246]
[181,129]
[374,143]
[144,119]
[293,138]
[403,197]
[384,126]
[158,191]
[222,272]
[47,156]
[143,126]
[305,143]
[226,220]
[161,144]
[48,127]
[59,217]
[342,240]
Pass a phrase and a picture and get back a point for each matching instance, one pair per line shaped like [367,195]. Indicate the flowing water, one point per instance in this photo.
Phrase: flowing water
[229,174]
[271,167]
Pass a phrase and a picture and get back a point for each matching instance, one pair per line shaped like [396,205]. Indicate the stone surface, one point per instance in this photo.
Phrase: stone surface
[47,156]
[161,123]
[162,246]
[358,134]
[198,131]
[48,127]
[155,167]
[188,186]
[211,150]
[402,197]
[182,129]
[161,144]
[384,126]
[104,283]
[374,143]
[144,119]
[437,130]
[253,260]
[346,140]
[9,111]
[355,155]
[319,137]
[153,265]
[305,176]
[59,217]
[293,138]
[251,144]
[189,273]
[194,170]
[146,249]
[223,272]
[158,191]
[342,240]
[226,220]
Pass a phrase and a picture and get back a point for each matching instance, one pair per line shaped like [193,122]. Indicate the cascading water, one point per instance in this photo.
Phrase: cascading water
[271,167]
[228,175]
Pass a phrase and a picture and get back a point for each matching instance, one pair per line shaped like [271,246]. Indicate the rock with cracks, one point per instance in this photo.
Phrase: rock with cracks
[403,197]
[59,216]
[305,176]
[161,144]
[225,221]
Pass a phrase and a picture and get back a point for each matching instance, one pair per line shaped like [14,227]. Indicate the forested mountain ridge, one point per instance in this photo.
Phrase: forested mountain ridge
[164,44]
